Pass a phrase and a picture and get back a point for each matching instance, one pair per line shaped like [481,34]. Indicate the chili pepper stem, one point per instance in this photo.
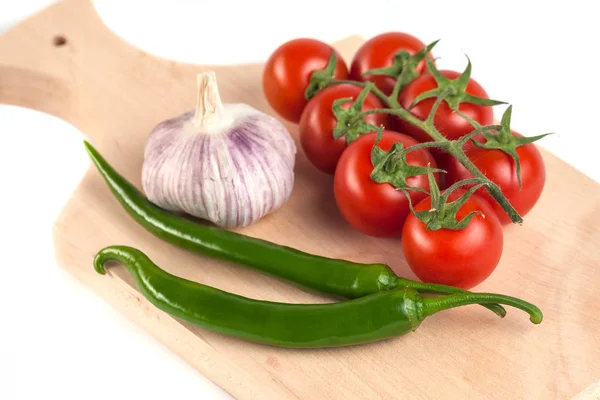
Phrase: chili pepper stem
[434,288]
[435,304]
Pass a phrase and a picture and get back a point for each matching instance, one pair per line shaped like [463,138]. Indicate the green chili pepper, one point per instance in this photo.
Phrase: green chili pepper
[374,317]
[333,276]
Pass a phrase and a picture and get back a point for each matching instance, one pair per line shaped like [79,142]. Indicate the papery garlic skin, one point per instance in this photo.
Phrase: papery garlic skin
[232,170]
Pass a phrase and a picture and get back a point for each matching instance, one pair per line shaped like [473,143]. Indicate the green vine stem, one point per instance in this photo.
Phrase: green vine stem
[452,147]
[377,92]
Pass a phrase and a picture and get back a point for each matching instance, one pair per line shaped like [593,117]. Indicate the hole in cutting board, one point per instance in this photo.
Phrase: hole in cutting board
[59,41]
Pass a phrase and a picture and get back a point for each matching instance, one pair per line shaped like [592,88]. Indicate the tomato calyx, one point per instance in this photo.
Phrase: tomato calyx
[350,122]
[504,140]
[320,78]
[403,68]
[442,214]
[454,90]
[391,166]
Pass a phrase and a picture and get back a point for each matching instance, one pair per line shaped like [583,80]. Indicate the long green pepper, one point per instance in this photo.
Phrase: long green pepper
[336,277]
[370,318]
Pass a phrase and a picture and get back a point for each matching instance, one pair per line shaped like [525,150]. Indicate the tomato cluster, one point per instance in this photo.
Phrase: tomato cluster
[378,178]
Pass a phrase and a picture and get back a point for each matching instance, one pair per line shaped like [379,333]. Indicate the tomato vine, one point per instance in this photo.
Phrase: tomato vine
[451,91]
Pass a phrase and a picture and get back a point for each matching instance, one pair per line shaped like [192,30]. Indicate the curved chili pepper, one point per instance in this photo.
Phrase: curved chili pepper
[370,318]
[328,275]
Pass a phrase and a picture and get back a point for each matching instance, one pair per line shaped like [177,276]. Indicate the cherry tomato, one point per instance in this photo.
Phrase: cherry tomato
[287,74]
[379,52]
[500,168]
[376,209]
[318,121]
[448,122]
[462,258]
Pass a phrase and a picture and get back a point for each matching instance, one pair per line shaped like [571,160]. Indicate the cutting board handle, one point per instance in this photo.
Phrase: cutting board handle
[64,61]
[40,59]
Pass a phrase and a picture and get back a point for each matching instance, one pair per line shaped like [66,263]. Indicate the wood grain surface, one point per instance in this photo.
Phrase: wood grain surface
[115,94]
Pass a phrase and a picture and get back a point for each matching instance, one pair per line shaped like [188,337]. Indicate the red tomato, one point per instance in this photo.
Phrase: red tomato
[318,121]
[500,168]
[376,209]
[448,122]
[379,52]
[288,70]
[461,258]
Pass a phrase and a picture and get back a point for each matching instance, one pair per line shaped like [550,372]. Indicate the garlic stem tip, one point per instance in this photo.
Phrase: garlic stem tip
[209,106]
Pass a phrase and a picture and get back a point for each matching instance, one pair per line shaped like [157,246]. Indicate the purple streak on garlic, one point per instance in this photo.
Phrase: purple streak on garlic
[227,163]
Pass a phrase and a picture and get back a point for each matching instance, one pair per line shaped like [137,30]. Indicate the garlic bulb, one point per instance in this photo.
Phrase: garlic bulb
[227,163]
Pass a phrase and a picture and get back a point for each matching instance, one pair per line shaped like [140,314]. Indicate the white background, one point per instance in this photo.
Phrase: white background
[58,339]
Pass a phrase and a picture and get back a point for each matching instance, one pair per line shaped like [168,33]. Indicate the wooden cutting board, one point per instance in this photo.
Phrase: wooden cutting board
[65,62]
